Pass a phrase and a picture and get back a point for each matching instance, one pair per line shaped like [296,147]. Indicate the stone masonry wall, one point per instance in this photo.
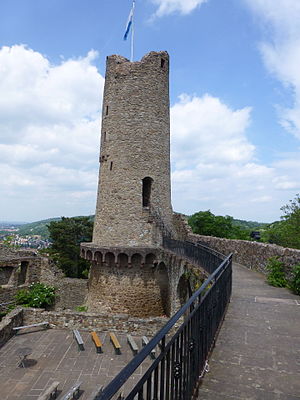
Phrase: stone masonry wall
[135,144]
[14,318]
[253,255]
[95,321]
[135,290]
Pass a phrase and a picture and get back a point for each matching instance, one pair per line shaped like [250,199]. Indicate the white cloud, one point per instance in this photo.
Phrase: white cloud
[49,132]
[281,51]
[215,167]
[183,7]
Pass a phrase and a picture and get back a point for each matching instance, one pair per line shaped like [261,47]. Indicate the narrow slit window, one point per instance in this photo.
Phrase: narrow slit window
[106,110]
[111,166]
[162,62]
[146,191]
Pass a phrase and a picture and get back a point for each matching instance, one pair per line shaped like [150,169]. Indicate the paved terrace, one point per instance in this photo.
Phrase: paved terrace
[55,357]
[257,354]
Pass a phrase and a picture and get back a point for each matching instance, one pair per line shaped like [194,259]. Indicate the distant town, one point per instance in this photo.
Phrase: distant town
[10,235]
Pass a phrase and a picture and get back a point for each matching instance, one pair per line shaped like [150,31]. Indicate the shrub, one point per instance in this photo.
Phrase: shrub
[276,275]
[37,295]
[295,281]
[81,308]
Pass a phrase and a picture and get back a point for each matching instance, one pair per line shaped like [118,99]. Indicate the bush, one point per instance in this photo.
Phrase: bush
[81,308]
[276,275]
[295,281]
[37,295]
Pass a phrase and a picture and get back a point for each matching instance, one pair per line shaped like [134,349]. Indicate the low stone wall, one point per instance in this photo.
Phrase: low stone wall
[14,318]
[253,255]
[94,321]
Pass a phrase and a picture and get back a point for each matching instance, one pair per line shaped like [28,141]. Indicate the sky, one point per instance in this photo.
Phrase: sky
[234,98]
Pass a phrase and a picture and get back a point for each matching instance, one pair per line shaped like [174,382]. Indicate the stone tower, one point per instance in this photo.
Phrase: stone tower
[134,179]
[133,209]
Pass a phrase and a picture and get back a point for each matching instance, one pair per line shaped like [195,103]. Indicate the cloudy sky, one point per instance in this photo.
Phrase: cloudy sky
[235,101]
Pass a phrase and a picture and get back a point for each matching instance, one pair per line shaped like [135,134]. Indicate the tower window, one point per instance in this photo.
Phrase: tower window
[106,110]
[162,62]
[147,183]
[111,166]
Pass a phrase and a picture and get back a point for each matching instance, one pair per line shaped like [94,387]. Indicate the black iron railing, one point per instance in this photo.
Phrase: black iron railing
[197,253]
[175,373]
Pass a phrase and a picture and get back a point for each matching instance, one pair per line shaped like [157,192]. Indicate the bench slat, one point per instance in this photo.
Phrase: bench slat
[132,344]
[50,393]
[115,342]
[145,341]
[16,328]
[78,339]
[97,341]
[72,391]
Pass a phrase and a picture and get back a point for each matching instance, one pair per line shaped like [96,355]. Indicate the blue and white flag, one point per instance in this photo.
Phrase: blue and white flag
[129,22]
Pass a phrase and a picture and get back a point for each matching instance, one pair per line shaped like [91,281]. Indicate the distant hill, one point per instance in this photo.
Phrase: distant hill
[39,227]
[251,225]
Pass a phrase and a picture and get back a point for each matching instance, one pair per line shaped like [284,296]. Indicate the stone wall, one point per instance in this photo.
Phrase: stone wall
[253,255]
[136,290]
[135,144]
[95,321]
[14,318]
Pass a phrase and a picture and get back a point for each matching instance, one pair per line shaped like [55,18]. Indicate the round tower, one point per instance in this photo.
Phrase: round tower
[134,194]
[133,211]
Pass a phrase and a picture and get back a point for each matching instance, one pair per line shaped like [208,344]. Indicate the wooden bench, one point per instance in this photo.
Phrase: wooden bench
[43,324]
[73,393]
[78,338]
[115,342]
[97,342]
[145,341]
[50,393]
[132,344]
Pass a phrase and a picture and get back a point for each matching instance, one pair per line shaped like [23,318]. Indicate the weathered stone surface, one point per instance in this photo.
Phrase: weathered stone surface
[135,144]
[254,255]
[14,318]
[94,321]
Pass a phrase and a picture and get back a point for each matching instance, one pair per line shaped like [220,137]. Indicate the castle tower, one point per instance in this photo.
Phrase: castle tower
[133,209]
[134,179]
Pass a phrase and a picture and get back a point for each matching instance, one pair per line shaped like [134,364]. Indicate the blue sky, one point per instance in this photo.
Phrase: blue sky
[235,101]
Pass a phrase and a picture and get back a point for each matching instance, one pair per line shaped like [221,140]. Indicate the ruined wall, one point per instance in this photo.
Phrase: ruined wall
[14,318]
[253,255]
[135,144]
[95,321]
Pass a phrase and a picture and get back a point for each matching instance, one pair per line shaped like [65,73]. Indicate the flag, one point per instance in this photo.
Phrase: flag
[129,22]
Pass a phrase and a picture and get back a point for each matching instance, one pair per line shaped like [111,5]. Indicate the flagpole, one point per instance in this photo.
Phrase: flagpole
[132,32]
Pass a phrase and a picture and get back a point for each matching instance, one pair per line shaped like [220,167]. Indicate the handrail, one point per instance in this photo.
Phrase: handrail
[198,297]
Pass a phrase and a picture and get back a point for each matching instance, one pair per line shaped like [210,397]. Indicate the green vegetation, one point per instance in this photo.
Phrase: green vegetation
[66,236]
[37,228]
[287,231]
[276,274]
[37,295]
[81,308]
[206,223]
[295,281]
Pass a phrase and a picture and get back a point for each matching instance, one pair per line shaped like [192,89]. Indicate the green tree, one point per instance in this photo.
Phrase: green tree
[206,223]
[287,231]
[66,236]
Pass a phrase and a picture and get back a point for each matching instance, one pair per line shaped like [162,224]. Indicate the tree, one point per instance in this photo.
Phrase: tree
[287,231]
[66,236]
[206,223]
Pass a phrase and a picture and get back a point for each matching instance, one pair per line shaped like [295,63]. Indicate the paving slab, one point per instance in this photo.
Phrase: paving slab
[55,357]
[257,353]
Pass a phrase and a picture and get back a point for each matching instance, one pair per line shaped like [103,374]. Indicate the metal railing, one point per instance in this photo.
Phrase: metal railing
[175,373]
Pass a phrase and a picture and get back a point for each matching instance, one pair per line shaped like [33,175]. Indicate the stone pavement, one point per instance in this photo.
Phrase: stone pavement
[257,354]
[55,357]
